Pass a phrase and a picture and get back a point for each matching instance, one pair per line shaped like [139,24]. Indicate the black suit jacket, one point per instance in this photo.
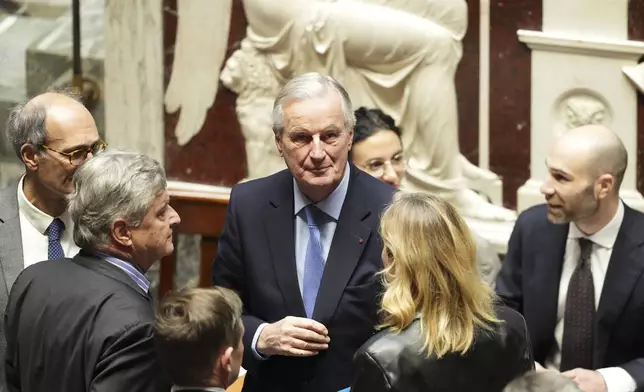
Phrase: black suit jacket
[529,282]
[77,325]
[397,362]
[256,257]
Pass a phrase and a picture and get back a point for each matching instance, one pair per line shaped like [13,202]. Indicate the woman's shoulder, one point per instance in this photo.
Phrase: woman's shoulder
[511,320]
[385,345]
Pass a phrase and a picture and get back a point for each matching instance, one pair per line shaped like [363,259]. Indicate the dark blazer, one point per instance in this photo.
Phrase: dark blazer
[256,257]
[391,362]
[529,282]
[77,325]
[11,258]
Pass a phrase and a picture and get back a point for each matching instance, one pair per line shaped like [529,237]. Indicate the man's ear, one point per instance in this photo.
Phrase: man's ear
[30,156]
[224,365]
[121,233]
[605,185]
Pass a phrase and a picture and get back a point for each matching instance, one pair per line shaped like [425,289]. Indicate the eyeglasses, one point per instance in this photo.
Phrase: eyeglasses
[377,168]
[79,156]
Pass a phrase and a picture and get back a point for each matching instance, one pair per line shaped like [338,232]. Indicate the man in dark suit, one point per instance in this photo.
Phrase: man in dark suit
[198,335]
[302,249]
[86,324]
[575,267]
[52,134]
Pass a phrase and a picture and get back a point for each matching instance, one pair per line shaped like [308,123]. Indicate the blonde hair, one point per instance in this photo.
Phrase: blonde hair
[432,273]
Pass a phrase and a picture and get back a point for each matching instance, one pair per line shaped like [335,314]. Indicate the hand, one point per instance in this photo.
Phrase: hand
[587,380]
[293,336]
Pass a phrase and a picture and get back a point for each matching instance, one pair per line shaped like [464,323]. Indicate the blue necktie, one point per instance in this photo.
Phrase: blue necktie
[313,263]
[54,231]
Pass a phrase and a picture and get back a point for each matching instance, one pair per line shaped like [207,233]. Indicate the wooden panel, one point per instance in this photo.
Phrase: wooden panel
[510,68]
[201,213]
[467,86]
[208,253]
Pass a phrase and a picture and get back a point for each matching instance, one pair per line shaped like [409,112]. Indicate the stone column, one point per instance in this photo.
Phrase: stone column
[577,78]
[134,76]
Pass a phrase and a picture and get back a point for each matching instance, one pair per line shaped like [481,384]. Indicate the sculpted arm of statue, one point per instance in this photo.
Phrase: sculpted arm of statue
[199,53]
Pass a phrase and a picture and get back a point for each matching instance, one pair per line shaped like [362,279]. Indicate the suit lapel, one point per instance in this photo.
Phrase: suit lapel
[11,256]
[279,223]
[624,270]
[545,283]
[350,238]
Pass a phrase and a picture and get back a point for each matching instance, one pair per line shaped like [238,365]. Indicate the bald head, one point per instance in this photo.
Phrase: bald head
[593,150]
[46,115]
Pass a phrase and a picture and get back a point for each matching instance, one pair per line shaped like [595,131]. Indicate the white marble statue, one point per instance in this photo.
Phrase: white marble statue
[396,55]
[248,73]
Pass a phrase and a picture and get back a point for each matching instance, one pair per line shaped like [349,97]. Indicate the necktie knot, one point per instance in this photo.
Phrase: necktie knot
[55,229]
[585,247]
[313,215]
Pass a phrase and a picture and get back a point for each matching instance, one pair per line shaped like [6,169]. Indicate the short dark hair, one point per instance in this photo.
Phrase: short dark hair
[371,121]
[192,327]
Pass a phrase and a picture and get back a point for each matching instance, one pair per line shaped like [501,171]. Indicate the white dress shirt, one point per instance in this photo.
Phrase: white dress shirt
[616,378]
[33,224]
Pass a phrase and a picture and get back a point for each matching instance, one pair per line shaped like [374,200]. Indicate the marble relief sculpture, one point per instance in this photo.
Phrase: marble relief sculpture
[396,55]
[248,73]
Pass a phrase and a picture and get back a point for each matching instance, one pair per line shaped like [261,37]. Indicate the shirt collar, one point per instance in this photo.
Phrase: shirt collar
[177,388]
[38,219]
[127,267]
[607,235]
[331,205]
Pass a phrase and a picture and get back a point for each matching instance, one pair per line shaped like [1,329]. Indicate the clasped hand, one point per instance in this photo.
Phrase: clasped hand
[293,336]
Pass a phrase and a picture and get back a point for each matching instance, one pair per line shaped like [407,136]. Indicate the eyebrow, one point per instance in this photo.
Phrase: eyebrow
[79,146]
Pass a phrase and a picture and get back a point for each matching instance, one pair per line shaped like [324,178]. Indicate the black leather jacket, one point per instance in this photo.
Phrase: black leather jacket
[393,362]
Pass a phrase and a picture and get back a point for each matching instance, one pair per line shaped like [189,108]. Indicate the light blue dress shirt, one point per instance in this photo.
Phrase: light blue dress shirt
[331,206]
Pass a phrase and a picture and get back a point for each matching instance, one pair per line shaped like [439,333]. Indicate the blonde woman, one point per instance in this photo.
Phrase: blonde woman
[442,330]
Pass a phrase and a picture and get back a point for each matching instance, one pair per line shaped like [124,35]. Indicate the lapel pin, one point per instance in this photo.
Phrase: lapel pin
[360,240]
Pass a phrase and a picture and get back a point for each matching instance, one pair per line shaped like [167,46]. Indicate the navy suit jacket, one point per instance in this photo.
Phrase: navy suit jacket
[256,258]
[529,283]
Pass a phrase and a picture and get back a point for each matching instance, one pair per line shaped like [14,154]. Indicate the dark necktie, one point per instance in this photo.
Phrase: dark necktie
[54,231]
[579,318]
[314,261]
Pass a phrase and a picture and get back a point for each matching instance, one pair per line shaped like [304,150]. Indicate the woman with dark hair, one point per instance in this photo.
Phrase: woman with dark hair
[377,148]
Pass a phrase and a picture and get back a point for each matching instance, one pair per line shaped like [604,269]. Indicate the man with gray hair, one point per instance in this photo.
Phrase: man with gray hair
[87,323]
[51,134]
[302,249]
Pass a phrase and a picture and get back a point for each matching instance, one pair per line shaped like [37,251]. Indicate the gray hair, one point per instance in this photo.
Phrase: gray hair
[27,122]
[307,86]
[109,186]
[544,381]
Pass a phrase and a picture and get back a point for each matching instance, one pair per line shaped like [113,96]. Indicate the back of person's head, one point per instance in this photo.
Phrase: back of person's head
[430,270]
[198,334]
[112,185]
[545,381]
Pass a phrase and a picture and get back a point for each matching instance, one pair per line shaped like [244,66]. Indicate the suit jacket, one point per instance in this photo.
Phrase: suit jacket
[391,362]
[529,282]
[256,258]
[11,258]
[77,325]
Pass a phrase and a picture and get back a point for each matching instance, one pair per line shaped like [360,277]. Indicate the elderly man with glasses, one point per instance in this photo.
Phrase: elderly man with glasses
[52,134]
